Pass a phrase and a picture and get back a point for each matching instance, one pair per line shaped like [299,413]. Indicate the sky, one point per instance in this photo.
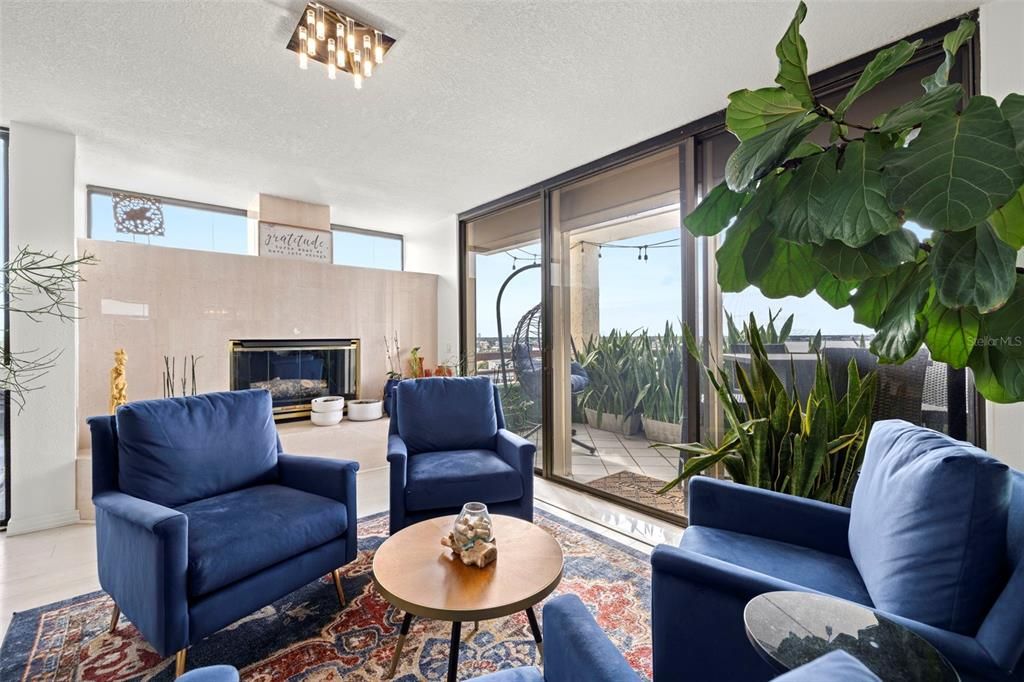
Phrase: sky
[642,294]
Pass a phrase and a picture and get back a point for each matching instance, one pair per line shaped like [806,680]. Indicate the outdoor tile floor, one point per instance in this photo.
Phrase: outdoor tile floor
[616,452]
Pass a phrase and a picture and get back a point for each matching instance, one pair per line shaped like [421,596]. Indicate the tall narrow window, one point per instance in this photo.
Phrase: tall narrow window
[502,322]
[617,361]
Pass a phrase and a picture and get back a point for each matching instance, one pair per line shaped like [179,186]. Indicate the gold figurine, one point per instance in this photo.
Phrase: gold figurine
[118,381]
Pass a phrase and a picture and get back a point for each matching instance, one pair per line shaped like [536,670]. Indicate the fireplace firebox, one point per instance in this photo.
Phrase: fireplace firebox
[296,371]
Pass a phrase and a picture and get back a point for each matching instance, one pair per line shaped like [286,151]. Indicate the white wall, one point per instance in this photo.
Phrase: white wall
[42,212]
[1002,72]
[436,250]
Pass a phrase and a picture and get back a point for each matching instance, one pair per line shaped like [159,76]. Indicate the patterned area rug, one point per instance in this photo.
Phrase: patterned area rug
[305,637]
[642,489]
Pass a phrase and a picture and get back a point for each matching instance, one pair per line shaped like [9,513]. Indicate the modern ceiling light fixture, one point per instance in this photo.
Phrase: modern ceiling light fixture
[366,44]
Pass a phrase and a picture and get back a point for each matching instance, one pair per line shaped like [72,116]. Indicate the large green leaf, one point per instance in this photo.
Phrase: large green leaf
[958,170]
[780,268]
[751,112]
[874,294]
[756,156]
[854,209]
[1004,328]
[973,268]
[902,327]
[1008,220]
[884,64]
[792,213]
[879,257]
[834,291]
[986,379]
[917,111]
[1013,111]
[792,54]
[732,274]
[951,334]
[713,214]
[951,44]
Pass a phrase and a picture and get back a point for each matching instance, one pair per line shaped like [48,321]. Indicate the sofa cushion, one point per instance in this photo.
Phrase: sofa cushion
[835,665]
[439,480]
[238,534]
[452,413]
[828,573]
[928,526]
[178,450]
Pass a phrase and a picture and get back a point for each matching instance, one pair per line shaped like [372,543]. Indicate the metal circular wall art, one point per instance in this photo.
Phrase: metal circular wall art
[135,214]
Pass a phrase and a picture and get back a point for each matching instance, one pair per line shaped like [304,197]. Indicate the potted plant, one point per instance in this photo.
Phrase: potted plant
[394,374]
[803,217]
[811,449]
[662,376]
[613,398]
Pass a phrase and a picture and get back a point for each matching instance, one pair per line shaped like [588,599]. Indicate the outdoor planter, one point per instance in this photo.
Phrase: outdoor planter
[661,432]
[615,423]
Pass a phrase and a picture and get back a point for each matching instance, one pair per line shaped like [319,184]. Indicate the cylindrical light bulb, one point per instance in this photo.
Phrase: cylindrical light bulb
[332,66]
[366,42]
[321,29]
[350,35]
[303,36]
[358,80]
[378,48]
[310,32]
[367,65]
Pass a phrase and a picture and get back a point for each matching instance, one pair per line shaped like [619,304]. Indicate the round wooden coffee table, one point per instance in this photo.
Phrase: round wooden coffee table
[415,573]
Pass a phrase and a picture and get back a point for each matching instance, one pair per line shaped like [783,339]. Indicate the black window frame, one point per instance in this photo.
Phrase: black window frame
[5,135]
[687,137]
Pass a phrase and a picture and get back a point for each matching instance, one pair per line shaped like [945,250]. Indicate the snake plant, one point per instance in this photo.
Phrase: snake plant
[774,441]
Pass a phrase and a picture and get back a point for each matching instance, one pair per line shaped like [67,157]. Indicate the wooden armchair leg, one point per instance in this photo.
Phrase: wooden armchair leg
[336,574]
[180,660]
[115,615]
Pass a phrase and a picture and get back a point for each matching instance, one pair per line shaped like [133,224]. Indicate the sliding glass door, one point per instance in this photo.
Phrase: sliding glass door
[501,316]
[5,446]
[617,354]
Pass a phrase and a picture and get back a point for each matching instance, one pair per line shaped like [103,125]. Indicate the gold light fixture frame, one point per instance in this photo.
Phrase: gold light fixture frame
[380,42]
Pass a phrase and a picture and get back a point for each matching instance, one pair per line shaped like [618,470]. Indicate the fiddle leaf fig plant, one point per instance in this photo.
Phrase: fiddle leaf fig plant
[914,219]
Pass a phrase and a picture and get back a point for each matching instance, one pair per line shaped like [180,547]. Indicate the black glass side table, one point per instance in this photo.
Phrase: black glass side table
[790,629]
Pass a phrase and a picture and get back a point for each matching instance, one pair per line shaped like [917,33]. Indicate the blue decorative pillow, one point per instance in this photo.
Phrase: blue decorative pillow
[928,526]
[179,450]
[446,413]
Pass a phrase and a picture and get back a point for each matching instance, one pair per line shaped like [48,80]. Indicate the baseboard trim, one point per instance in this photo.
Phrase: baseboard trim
[31,524]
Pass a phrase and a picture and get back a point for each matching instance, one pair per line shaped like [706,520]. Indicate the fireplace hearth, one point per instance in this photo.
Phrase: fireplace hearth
[296,371]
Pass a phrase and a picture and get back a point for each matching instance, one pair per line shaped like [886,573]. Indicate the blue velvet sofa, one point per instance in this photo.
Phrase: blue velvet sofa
[575,649]
[934,540]
[447,445]
[201,520]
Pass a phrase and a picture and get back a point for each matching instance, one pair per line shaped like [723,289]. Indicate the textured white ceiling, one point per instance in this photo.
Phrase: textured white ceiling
[478,98]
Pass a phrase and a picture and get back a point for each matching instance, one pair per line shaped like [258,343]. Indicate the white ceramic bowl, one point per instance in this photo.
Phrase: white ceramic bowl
[328,403]
[365,410]
[326,418]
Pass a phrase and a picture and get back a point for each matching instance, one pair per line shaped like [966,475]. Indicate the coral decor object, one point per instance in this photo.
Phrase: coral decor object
[472,537]
[118,381]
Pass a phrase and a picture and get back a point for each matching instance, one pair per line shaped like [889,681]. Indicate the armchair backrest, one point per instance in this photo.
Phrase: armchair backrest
[447,413]
[178,450]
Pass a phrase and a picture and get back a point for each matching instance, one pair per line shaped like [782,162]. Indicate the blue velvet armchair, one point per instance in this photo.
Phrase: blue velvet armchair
[447,445]
[576,649]
[201,520]
[934,540]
